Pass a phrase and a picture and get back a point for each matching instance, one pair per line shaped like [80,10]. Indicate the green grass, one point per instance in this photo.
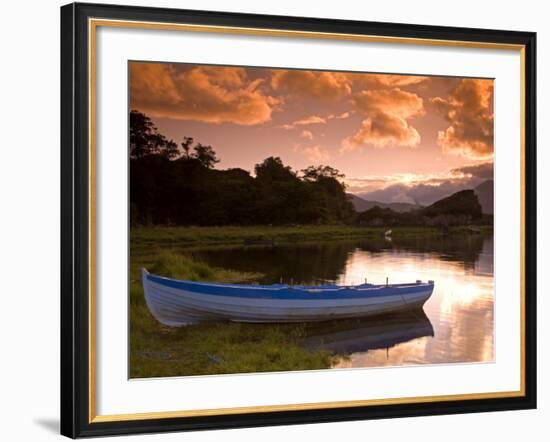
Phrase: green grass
[209,348]
[192,236]
[180,266]
[219,348]
[161,237]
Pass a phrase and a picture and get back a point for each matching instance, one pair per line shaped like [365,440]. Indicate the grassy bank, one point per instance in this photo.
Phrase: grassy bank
[198,236]
[210,348]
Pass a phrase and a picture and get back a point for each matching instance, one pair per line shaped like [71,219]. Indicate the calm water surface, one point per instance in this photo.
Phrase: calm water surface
[456,324]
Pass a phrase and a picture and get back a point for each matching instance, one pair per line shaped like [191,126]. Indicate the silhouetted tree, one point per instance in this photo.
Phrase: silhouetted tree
[170,149]
[313,173]
[145,139]
[186,146]
[272,169]
[205,155]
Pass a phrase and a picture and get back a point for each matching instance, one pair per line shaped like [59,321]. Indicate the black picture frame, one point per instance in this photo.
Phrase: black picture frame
[75,220]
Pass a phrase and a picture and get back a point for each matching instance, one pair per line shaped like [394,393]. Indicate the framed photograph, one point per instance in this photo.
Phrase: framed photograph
[274,220]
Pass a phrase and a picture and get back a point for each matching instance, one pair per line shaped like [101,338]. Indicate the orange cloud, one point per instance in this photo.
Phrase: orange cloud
[341,116]
[483,170]
[315,119]
[388,113]
[382,129]
[391,101]
[322,85]
[468,109]
[202,93]
[379,81]
[315,154]
[307,135]
[306,121]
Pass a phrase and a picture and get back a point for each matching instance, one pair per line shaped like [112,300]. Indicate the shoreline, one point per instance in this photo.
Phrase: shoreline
[190,236]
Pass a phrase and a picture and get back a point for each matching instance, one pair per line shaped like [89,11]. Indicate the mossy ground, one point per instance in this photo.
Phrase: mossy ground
[209,348]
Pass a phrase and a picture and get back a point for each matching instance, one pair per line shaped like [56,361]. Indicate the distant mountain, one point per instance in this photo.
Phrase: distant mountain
[485,195]
[362,205]
[460,203]
[460,208]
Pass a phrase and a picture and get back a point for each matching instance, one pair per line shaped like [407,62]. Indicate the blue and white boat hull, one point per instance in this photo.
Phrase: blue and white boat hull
[177,303]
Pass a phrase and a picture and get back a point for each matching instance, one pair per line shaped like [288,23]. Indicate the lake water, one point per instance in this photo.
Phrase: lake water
[456,324]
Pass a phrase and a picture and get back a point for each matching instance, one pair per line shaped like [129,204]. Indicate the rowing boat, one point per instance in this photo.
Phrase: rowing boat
[177,303]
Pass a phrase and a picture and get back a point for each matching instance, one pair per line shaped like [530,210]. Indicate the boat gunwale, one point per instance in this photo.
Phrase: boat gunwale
[287,291]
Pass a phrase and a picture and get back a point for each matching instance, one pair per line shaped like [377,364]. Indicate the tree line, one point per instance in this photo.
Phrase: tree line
[177,184]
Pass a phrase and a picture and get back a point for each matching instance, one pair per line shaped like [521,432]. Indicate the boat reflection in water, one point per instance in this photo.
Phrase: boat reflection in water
[361,335]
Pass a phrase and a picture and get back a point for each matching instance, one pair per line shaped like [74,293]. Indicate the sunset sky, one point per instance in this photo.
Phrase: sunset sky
[397,138]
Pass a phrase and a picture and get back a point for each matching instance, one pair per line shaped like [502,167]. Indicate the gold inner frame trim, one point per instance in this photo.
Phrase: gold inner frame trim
[93,24]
